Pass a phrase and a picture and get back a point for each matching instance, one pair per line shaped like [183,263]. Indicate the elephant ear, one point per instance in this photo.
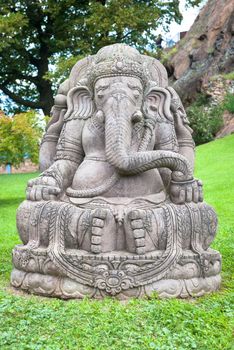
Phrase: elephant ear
[157,104]
[79,103]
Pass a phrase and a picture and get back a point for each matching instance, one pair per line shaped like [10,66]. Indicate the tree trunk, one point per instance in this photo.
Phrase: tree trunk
[46,96]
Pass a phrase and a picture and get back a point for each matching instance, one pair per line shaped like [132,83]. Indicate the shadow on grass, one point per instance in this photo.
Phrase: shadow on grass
[11,201]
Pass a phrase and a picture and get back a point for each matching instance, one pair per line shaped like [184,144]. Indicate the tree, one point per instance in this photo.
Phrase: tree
[37,36]
[19,138]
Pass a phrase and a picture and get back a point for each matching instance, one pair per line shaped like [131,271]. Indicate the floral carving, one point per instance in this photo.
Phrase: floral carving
[113,281]
[21,258]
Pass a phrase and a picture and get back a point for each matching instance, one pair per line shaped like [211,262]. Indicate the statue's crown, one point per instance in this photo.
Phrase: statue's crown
[117,59]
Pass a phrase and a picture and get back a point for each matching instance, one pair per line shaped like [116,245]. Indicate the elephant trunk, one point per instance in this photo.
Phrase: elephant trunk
[118,128]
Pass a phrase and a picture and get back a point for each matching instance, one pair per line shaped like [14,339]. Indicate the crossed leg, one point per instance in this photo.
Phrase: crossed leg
[92,230]
[149,229]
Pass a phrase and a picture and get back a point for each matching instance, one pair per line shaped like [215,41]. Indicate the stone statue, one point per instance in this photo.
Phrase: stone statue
[116,210]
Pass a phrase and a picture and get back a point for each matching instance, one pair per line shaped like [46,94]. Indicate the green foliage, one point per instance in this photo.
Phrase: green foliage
[62,69]
[228,103]
[228,76]
[205,120]
[19,137]
[166,55]
[39,39]
[30,322]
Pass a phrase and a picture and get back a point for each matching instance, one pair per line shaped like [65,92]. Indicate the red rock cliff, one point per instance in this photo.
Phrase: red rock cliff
[206,50]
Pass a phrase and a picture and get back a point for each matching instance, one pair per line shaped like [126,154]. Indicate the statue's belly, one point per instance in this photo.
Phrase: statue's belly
[91,173]
[94,173]
[143,184]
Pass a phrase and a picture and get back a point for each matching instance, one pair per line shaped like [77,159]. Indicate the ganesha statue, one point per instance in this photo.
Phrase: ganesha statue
[116,210]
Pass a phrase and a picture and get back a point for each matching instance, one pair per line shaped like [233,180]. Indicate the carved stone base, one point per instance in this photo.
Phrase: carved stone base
[121,275]
[66,288]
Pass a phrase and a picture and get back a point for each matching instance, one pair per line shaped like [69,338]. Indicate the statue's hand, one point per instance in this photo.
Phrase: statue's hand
[42,188]
[186,191]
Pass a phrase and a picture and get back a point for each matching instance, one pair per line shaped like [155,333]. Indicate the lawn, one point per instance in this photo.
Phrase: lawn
[31,322]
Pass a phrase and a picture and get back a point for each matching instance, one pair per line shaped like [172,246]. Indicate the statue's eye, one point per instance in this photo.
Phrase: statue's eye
[100,95]
[136,90]
[153,108]
[100,91]
[136,94]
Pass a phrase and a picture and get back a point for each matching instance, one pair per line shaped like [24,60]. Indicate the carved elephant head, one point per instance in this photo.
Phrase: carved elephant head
[120,102]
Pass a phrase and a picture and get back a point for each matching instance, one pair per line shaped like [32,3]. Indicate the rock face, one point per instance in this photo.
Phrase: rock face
[228,128]
[216,88]
[206,50]
[118,211]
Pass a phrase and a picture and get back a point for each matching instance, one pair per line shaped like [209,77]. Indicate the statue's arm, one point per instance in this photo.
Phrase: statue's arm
[54,127]
[165,139]
[184,138]
[192,190]
[69,154]
[176,136]
[182,129]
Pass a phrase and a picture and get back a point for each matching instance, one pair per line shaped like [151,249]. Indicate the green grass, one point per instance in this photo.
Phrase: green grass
[30,322]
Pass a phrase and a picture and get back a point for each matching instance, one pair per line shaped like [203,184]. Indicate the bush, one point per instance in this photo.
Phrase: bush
[228,103]
[20,137]
[205,120]
[229,76]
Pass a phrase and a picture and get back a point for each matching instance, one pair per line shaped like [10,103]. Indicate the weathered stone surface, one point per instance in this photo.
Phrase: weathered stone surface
[116,210]
[206,50]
